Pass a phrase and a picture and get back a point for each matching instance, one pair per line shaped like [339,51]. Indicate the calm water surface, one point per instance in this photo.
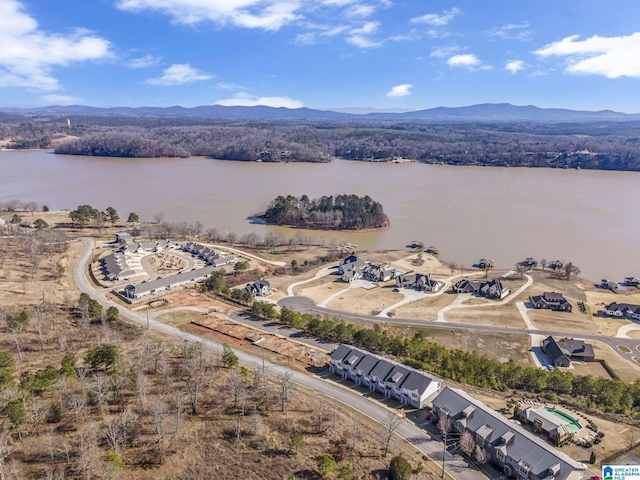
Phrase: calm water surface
[506,214]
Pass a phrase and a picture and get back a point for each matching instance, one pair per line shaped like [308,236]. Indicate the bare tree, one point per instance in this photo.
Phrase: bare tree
[159,411]
[37,412]
[284,383]
[236,384]
[480,455]
[120,429]
[87,459]
[77,404]
[195,369]
[467,443]
[391,424]
[6,449]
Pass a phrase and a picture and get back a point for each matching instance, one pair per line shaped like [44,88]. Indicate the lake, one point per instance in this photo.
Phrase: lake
[505,214]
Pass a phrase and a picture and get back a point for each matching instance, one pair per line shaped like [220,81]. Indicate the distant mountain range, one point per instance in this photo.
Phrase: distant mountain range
[487,112]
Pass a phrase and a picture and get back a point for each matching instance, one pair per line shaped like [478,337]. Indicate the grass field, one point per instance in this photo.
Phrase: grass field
[368,302]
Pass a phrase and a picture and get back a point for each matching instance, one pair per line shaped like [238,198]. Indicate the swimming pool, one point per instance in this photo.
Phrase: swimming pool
[571,423]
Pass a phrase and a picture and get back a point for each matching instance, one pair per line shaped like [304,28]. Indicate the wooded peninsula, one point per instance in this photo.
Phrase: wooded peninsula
[342,212]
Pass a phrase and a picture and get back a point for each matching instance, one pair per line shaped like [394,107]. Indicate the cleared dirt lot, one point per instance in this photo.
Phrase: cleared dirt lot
[321,288]
[368,302]
[504,315]
[425,309]
[500,346]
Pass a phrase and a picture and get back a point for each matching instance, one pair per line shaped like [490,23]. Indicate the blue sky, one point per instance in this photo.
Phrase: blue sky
[579,54]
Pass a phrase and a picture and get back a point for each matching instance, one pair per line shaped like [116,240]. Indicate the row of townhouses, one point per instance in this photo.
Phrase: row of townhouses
[209,255]
[115,267]
[407,385]
[143,289]
[154,246]
[491,289]
[511,448]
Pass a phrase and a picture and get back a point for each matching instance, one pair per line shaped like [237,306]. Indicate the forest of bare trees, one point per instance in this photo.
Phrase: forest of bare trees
[607,146]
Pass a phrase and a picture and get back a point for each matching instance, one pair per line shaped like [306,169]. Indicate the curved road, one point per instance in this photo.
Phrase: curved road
[306,305]
[456,467]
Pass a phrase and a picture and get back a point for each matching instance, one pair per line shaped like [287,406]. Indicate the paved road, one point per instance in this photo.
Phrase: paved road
[406,430]
[306,305]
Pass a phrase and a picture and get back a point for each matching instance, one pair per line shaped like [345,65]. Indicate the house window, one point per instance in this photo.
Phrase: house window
[480,441]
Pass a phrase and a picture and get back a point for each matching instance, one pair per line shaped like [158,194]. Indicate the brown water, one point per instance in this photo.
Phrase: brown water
[506,214]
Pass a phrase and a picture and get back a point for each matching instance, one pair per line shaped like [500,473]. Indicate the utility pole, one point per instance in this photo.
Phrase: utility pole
[444,451]
[148,327]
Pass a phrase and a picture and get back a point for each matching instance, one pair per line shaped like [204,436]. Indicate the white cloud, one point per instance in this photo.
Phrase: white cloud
[311,38]
[179,74]
[512,31]
[400,90]
[437,20]
[611,57]
[514,66]
[144,62]
[444,50]
[464,60]
[360,37]
[468,61]
[361,11]
[54,99]
[229,86]
[28,55]
[411,35]
[263,14]
[247,100]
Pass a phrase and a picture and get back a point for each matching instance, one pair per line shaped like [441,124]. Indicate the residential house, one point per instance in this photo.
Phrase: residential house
[485,263]
[543,420]
[352,275]
[123,237]
[432,250]
[632,281]
[418,281]
[378,273]
[516,452]
[161,285]
[609,285]
[261,288]
[551,301]
[563,352]
[407,385]
[351,263]
[623,310]
[209,255]
[146,247]
[467,286]
[115,267]
[494,289]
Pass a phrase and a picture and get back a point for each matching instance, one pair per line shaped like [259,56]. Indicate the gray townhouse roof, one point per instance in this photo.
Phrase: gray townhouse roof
[172,280]
[383,369]
[417,382]
[397,375]
[115,266]
[517,443]
[339,353]
[367,363]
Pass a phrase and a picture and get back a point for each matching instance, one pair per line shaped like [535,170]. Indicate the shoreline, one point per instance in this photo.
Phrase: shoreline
[387,226]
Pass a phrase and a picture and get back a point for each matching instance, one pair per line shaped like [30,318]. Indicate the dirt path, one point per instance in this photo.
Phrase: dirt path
[319,274]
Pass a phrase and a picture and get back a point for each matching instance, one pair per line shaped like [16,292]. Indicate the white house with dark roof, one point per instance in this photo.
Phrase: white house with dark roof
[623,310]
[407,385]
[551,301]
[351,263]
[515,451]
[261,288]
[493,289]
[632,281]
[419,282]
